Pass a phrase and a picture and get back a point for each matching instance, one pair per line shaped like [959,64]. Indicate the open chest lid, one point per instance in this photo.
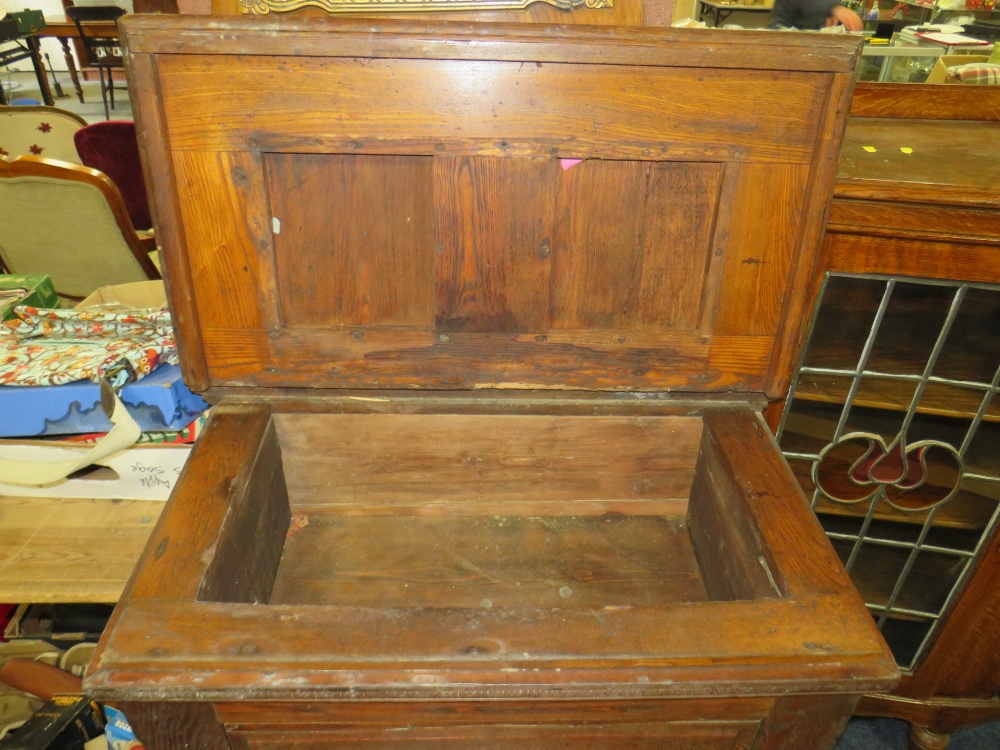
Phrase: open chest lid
[390,205]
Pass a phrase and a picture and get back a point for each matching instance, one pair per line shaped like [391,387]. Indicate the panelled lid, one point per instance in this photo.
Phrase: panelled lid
[349,204]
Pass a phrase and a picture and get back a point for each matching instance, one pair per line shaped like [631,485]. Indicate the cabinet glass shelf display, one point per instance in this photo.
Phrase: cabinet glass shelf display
[894,427]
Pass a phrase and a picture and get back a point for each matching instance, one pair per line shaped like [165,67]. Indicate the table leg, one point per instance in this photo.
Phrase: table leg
[71,67]
[36,60]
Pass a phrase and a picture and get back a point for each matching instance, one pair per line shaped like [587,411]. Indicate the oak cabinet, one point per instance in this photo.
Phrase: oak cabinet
[893,426]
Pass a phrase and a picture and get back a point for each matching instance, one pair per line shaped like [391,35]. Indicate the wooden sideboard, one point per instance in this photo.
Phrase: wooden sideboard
[913,238]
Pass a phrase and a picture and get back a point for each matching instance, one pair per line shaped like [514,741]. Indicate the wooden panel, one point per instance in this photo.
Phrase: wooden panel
[632,245]
[185,541]
[629,242]
[192,726]
[883,216]
[571,272]
[226,231]
[493,240]
[598,246]
[766,647]
[70,549]
[973,622]
[278,715]
[252,534]
[761,483]
[922,259]
[681,212]
[727,541]
[806,721]
[764,236]
[924,102]
[967,149]
[157,160]
[366,37]
[392,358]
[802,285]
[340,461]
[363,254]
[486,561]
[654,735]
[540,110]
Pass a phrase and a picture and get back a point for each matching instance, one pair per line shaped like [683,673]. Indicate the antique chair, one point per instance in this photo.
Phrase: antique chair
[40,131]
[104,52]
[111,147]
[70,222]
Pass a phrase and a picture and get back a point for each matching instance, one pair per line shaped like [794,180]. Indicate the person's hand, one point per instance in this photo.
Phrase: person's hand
[845,16]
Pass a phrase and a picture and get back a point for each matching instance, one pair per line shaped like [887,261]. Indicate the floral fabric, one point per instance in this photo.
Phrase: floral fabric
[53,347]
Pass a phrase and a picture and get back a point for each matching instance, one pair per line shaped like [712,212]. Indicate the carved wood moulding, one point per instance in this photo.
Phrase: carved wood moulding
[264,7]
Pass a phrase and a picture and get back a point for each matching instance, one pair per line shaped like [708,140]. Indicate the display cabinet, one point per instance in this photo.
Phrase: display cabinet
[893,421]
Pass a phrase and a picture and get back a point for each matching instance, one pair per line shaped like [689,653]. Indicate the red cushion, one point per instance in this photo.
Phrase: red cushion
[111,147]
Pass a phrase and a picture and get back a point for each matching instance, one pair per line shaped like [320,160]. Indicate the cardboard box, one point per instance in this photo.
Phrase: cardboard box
[140,295]
[158,402]
[939,73]
[142,472]
[19,289]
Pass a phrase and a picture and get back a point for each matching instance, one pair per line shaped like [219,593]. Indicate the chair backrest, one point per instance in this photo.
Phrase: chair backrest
[69,222]
[111,147]
[40,131]
[103,51]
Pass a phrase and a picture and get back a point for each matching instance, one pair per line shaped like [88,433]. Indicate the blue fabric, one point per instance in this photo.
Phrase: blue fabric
[160,401]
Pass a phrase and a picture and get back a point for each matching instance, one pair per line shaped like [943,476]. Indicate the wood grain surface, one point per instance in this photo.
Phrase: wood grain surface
[435,238]
[446,464]
[924,102]
[70,549]
[490,561]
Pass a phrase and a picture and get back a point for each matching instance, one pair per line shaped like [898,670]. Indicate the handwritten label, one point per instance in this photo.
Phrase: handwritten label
[155,476]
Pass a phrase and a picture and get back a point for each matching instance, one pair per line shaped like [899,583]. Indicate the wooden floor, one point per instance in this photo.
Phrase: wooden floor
[489,561]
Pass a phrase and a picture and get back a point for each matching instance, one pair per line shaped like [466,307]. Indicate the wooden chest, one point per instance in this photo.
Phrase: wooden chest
[489,314]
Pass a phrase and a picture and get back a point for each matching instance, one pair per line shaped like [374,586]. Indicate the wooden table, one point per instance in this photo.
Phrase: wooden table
[721,11]
[26,48]
[64,30]
[70,549]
